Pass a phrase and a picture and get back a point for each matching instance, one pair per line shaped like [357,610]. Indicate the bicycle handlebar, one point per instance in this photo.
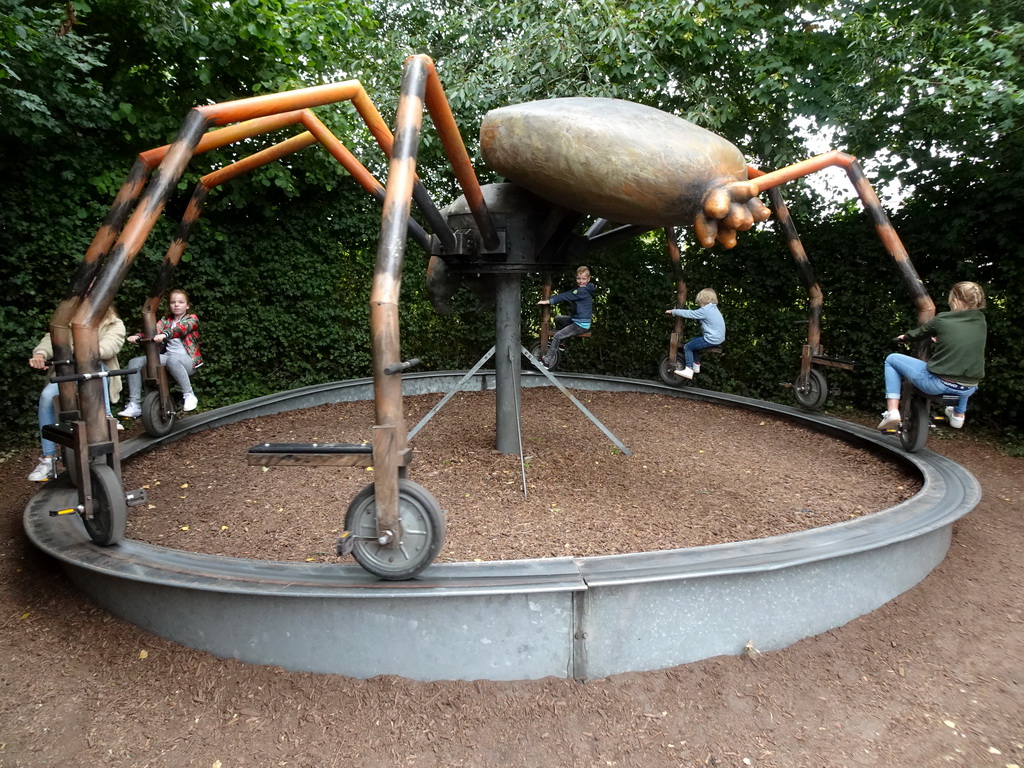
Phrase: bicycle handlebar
[87,376]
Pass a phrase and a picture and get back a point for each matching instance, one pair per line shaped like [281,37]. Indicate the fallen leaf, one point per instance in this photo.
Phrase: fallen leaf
[143,654]
[183,485]
[750,651]
[184,527]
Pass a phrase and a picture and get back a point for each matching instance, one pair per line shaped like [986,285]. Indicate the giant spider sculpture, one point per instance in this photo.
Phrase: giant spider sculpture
[630,167]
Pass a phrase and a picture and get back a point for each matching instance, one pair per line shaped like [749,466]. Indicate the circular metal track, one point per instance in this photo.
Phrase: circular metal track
[565,617]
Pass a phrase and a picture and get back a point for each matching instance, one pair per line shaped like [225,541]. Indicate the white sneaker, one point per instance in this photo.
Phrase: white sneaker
[120,427]
[956,422]
[890,420]
[686,373]
[45,470]
[133,411]
[191,403]
[695,367]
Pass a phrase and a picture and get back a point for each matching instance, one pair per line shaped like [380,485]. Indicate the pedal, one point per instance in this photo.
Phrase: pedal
[69,511]
[136,497]
[345,544]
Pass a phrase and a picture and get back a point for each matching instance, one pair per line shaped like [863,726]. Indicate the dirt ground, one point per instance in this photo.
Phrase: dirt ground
[694,461]
[933,678]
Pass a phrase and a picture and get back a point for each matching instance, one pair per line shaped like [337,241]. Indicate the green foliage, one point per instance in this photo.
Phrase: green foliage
[46,88]
[86,87]
[282,303]
[1013,443]
[280,267]
[946,80]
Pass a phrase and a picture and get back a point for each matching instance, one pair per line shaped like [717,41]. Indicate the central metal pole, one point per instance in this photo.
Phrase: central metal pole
[507,356]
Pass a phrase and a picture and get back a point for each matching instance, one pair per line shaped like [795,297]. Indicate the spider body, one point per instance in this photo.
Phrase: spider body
[621,161]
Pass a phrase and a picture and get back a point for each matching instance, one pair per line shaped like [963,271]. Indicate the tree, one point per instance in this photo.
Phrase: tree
[928,93]
[86,86]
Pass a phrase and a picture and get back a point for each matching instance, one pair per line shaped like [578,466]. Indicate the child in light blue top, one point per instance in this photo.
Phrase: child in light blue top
[712,330]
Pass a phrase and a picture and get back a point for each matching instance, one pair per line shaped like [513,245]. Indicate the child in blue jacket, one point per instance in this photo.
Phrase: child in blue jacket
[582,298]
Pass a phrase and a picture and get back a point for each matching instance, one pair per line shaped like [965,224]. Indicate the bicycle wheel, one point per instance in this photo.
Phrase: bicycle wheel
[538,352]
[913,429]
[422,524]
[811,391]
[109,507]
[665,372]
[156,419]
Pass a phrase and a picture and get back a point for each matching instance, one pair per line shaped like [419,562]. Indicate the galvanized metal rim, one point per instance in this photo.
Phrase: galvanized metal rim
[948,492]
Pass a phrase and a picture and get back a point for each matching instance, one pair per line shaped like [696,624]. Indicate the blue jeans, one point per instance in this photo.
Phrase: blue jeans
[48,414]
[898,367]
[692,348]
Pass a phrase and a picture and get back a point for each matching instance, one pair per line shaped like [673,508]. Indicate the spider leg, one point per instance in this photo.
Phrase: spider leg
[869,199]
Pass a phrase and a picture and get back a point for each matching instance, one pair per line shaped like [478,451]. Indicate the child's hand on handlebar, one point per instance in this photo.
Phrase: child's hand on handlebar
[37,362]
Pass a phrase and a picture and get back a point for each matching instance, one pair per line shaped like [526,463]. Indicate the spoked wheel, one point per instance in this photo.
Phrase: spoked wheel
[665,371]
[811,391]
[913,429]
[109,506]
[538,352]
[156,419]
[423,528]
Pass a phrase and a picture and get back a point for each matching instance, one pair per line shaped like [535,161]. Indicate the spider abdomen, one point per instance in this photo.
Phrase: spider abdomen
[626,162]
